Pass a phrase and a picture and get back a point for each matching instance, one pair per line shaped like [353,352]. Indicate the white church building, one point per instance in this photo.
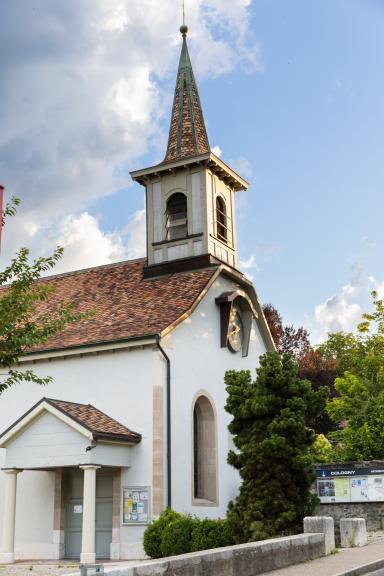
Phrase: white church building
[134,420]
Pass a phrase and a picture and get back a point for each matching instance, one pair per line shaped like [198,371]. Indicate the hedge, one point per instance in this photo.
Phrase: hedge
[173,533]
[207,534]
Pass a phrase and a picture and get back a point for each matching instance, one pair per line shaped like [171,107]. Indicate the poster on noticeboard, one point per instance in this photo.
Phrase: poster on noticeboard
[136,505]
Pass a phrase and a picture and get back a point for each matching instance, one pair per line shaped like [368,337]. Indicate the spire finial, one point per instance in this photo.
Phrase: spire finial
[184,28]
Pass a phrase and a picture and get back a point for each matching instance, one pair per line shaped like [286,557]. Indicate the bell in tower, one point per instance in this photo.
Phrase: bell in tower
[190,196]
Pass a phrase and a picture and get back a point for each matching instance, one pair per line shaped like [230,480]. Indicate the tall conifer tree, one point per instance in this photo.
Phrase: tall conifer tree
[270,432]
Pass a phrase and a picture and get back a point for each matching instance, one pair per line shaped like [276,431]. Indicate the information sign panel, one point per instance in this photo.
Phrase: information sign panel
[350,485]
[136,505]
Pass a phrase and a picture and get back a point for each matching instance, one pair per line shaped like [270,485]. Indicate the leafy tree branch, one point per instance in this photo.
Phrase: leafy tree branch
[27,318]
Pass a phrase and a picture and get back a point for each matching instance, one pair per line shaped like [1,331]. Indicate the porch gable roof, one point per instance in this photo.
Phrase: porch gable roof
[84,418]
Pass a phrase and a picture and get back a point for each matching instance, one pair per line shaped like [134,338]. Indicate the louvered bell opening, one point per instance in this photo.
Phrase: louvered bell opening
[176,217]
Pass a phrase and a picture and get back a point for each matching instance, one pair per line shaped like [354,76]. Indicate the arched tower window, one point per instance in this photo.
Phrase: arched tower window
[221,219]
[176,216]
[204,451]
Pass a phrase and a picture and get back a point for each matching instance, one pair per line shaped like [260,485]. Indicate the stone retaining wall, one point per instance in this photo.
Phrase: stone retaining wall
[246,559]
[373,512]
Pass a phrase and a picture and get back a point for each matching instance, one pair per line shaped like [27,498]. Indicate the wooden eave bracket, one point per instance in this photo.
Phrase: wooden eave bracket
[211,161]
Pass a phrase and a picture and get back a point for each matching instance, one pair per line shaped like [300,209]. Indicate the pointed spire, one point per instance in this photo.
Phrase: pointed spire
[187,133]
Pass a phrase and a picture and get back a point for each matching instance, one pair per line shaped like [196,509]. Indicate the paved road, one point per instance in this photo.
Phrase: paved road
[376,573]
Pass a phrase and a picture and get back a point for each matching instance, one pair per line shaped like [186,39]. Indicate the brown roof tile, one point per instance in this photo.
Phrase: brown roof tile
[100,424]
[187,133]
[125,304]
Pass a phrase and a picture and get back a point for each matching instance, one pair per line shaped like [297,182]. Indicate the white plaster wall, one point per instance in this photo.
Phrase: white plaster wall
[119,384]
[140,473]
[199,364]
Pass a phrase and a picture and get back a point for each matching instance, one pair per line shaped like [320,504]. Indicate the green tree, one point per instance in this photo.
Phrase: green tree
[358,407]
[26,320]
[320,371]
[273,447]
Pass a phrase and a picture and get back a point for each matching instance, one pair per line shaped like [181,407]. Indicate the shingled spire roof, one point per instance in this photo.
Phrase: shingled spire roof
[187,134]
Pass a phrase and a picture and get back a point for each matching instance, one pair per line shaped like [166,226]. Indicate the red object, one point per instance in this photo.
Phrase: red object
[1,211]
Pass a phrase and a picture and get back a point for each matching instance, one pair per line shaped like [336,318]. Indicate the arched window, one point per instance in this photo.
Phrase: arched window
[204,451]
[221,219]
[176,216]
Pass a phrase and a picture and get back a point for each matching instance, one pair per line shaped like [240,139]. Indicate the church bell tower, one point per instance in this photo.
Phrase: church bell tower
[190,195]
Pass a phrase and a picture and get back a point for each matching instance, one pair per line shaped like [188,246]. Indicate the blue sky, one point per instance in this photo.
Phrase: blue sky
[292,94]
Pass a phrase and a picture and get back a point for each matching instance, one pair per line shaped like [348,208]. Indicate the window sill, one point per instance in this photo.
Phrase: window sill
[177,239]
[203,502]
[226,244]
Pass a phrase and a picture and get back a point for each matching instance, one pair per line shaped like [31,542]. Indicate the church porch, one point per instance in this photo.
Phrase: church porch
[70,480]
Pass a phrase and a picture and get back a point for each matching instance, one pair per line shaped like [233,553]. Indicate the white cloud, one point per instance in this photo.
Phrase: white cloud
[242,166]
[248,264]
[221,55]
[343,311]
[116,16]
[132,98]
[86,245]
[84,89]
[338,313]
[136,233]
[217,150]
[367,242]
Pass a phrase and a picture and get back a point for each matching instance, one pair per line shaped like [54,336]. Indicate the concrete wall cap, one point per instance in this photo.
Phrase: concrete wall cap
[261,556]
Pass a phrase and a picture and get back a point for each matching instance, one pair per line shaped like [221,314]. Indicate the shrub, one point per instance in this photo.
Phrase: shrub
[153,534]
[176,538]
[173,533]
[208,534]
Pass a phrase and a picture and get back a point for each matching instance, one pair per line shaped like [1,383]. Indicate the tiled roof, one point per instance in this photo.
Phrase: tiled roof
[100,424]
[125,304]
[187,134]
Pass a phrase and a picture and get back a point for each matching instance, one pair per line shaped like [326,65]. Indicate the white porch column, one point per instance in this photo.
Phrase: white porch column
[7,548]
[88,552]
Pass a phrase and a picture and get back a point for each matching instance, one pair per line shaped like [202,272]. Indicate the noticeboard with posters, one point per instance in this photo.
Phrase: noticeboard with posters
[136,505]
[350,485]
